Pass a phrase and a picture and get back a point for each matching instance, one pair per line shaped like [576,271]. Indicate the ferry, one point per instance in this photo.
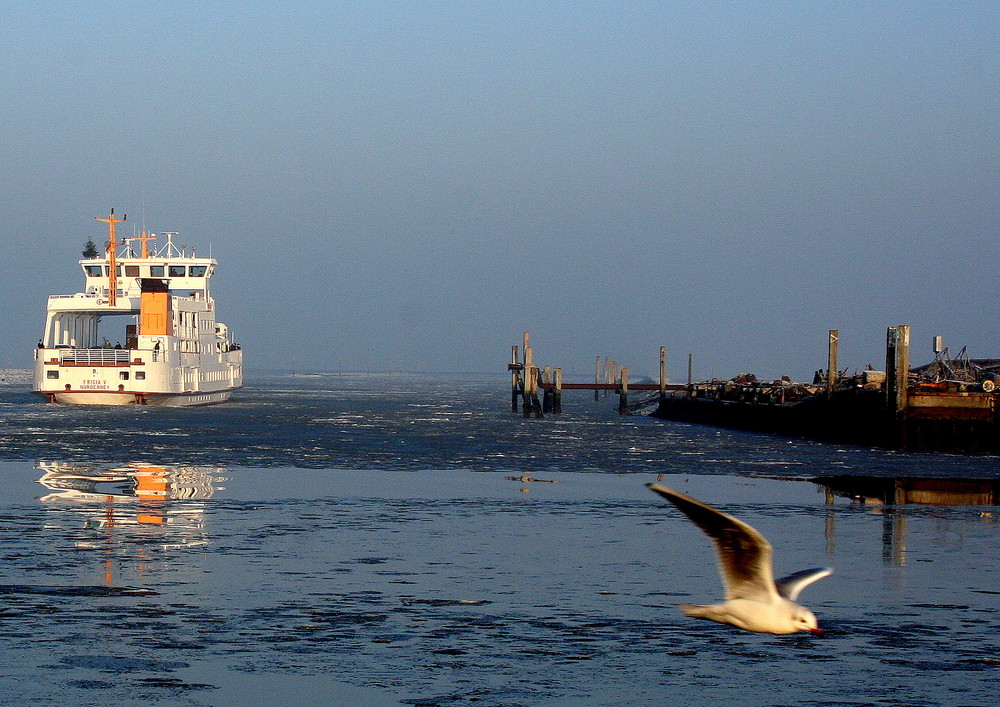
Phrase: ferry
[143,331]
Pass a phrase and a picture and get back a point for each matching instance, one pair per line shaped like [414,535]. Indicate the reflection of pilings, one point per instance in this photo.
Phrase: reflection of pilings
[828,529]
[902,491]
[894,538]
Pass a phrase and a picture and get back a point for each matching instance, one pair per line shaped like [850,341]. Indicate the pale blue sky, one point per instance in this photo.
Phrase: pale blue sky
[420,182]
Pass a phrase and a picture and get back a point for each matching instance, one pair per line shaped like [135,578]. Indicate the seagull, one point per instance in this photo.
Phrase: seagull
[754,601]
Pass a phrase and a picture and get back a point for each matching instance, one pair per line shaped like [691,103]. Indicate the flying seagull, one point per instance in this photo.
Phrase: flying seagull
[754,601]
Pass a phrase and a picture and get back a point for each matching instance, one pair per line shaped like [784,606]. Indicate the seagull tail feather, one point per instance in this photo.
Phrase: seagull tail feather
[696,610]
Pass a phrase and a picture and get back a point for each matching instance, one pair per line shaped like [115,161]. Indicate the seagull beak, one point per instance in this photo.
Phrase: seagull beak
[816,631]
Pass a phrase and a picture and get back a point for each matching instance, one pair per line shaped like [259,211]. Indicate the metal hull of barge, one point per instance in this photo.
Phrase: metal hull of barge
[956,423]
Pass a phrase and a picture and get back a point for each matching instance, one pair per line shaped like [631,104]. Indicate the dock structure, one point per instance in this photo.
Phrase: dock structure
[526,379]
[949,405]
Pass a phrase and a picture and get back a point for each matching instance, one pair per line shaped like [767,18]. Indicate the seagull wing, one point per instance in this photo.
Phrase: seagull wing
[744,554]
[790,586]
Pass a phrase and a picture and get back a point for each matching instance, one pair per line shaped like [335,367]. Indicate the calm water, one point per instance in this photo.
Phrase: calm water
[369,540]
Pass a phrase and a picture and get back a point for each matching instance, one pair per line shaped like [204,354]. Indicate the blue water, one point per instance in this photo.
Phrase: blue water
[408,540]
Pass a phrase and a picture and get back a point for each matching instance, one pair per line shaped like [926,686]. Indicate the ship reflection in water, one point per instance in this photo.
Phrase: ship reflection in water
[888,496]
[130,513]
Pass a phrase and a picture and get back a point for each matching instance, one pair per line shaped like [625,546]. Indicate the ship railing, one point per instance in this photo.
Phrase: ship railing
[94,357]
[96,295]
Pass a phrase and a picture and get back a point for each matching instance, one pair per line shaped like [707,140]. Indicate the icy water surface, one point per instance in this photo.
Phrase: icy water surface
[353,542]
[404,422]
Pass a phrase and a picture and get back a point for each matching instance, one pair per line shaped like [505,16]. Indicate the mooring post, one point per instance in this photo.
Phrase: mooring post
[902,369]
[526,404]
[663,375]
[557,394]
[623,392]
[890,369]
[831,363]
[528,380]
[536,406]
[528,408]
[515,378]
[897,379]
[597,378]
[546,391]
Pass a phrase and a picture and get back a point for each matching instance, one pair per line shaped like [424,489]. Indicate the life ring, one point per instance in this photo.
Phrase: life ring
[988,386]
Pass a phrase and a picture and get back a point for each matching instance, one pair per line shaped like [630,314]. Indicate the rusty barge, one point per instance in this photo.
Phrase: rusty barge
[949,405]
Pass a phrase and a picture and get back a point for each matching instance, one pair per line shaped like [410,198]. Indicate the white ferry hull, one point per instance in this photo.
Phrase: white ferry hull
[132,398]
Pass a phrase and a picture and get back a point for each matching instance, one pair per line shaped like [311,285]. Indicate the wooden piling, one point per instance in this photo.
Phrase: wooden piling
[831,362]
[623,392]
[515,378]
[597,379]
[547,391]
[902,367]
[529,380]
[890,369]
[526,404]
[557,393]
[663,374]
[531,407]
[536,406]
[897,368]
[897,380]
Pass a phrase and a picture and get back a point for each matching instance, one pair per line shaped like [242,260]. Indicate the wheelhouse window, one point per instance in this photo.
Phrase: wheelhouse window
[198,270]
[176,270]
[93,270]
[131,271]
[156,271]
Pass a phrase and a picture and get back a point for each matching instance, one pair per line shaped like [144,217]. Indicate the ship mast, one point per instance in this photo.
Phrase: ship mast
[112,254]
[145,238]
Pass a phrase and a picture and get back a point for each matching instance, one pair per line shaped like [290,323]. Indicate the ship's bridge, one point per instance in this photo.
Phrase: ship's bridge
[181,274]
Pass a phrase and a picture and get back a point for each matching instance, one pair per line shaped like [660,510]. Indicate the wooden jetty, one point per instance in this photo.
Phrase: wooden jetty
[948,405]
[526,379]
